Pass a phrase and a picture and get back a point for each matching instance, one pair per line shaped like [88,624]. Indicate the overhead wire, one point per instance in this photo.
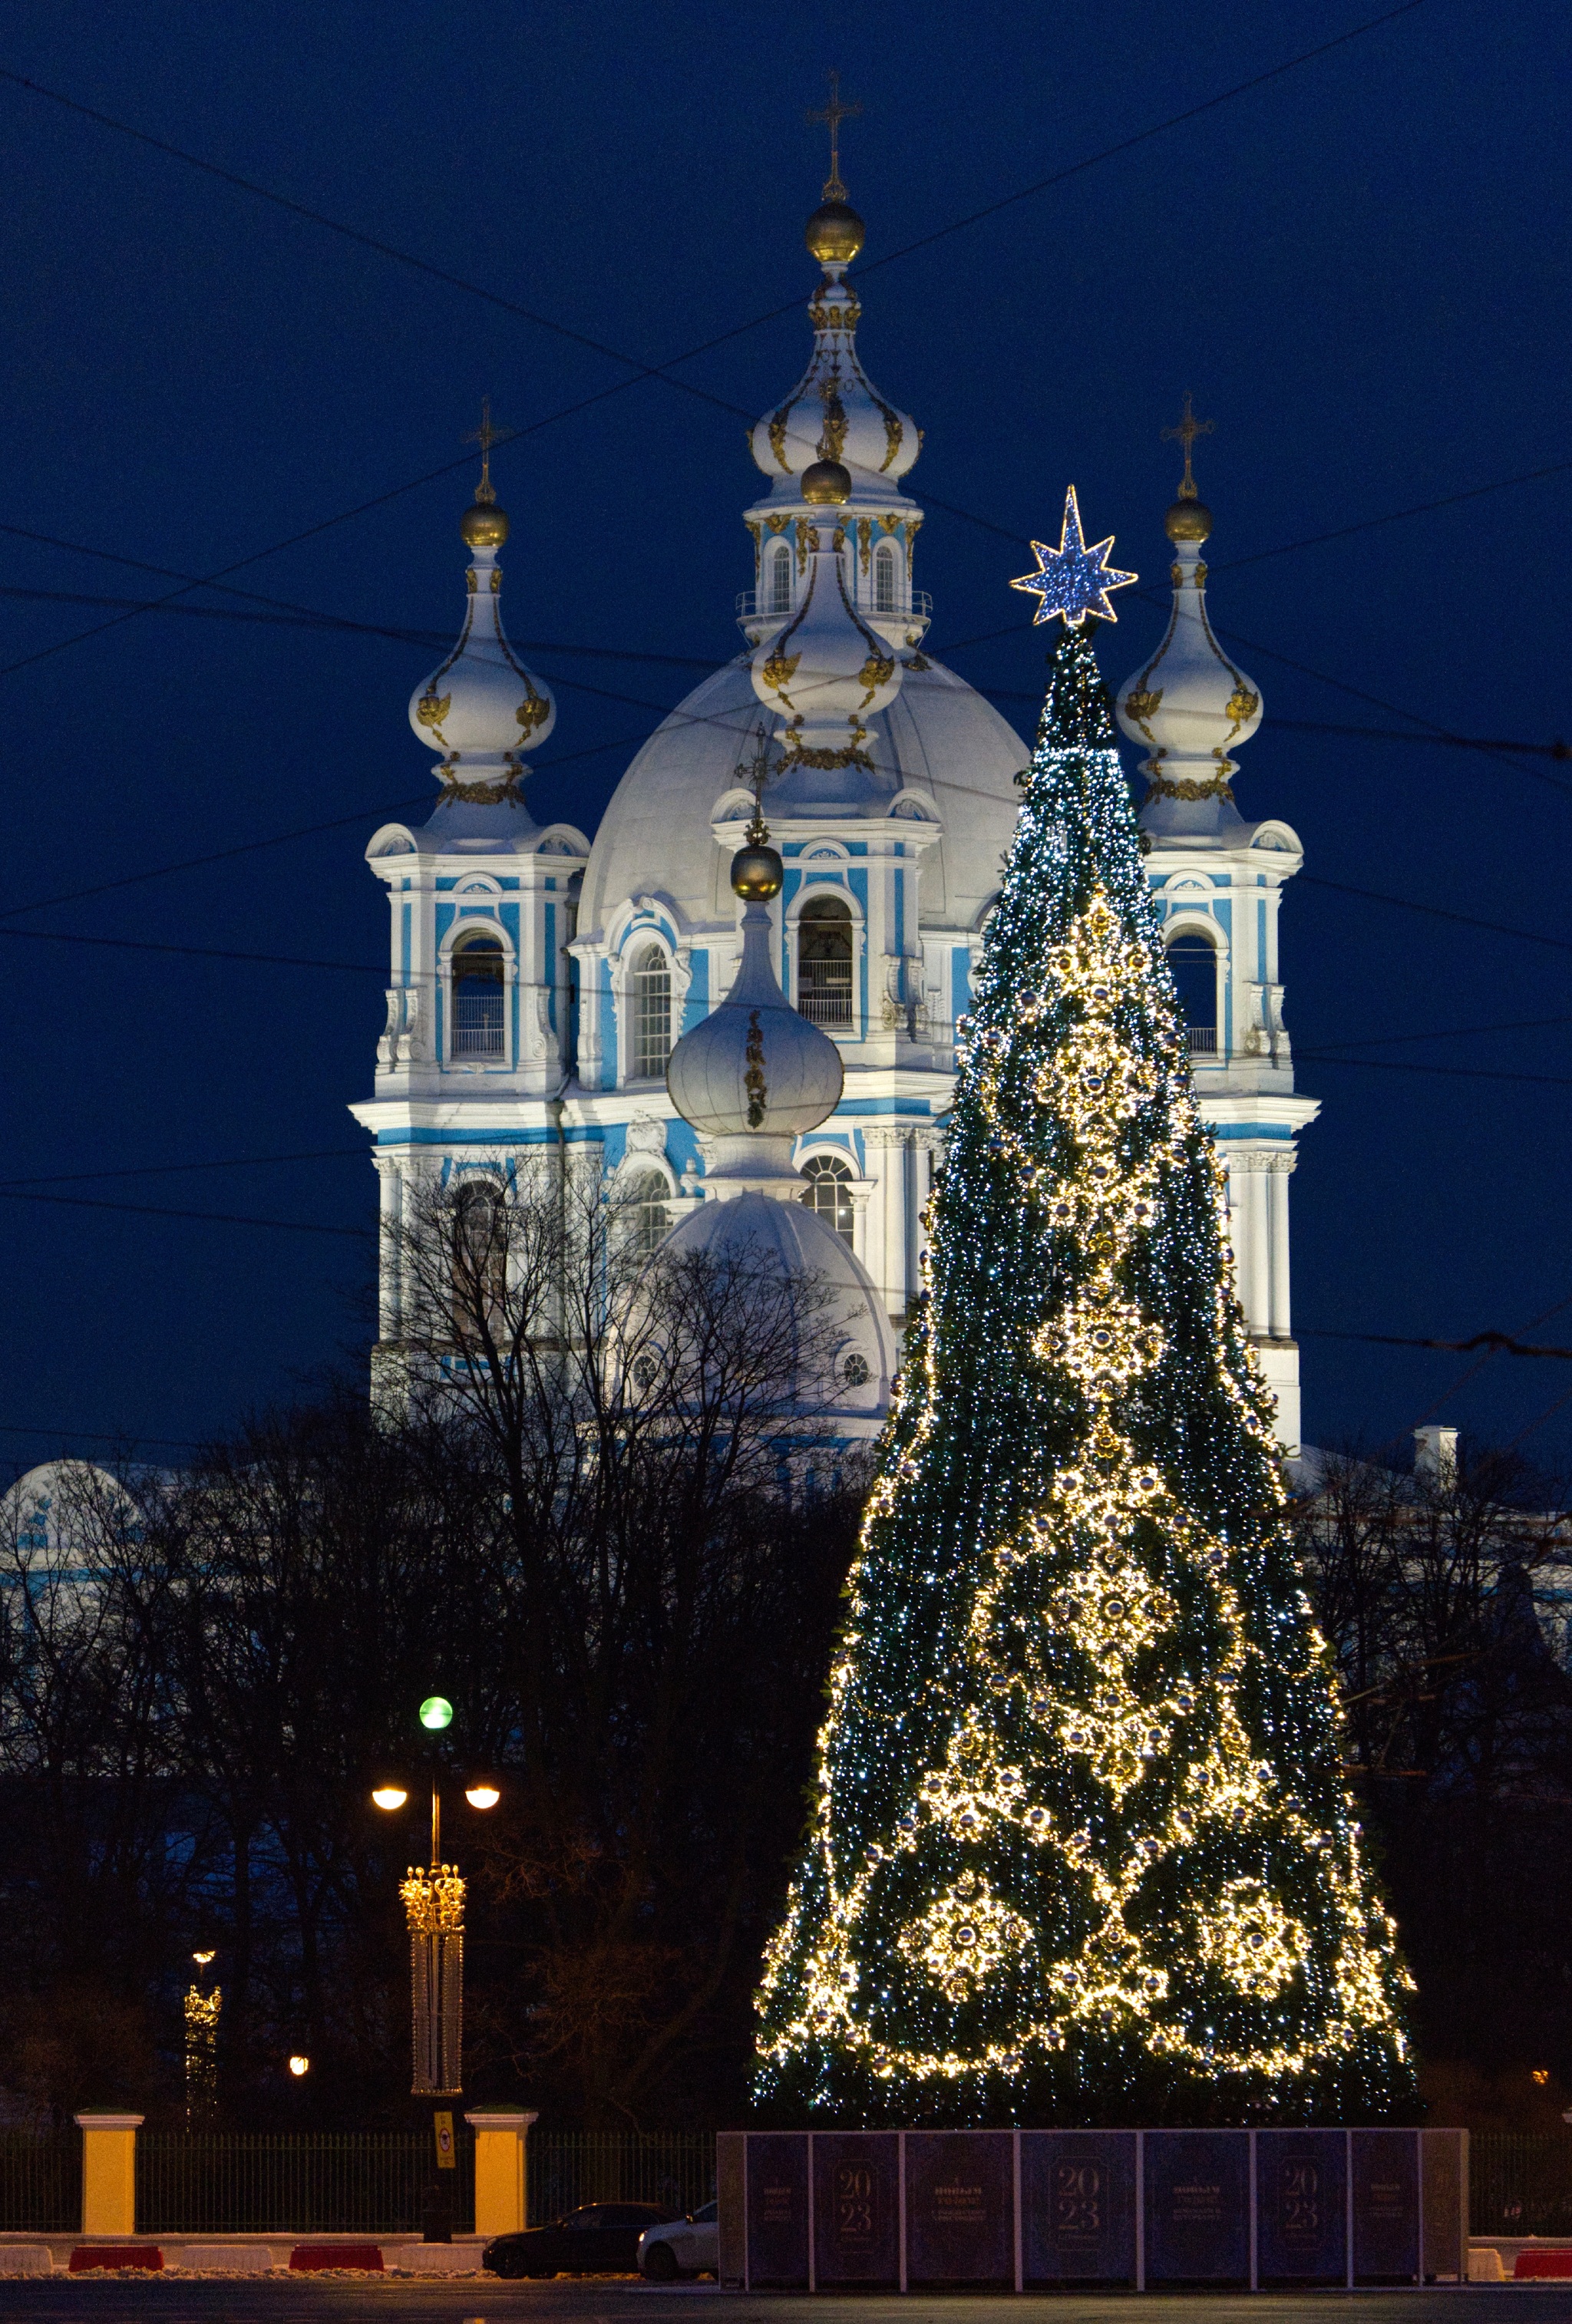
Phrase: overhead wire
[208,1218]
[640,370]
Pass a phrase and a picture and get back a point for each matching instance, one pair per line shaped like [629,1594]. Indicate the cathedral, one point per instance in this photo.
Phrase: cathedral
[540,980]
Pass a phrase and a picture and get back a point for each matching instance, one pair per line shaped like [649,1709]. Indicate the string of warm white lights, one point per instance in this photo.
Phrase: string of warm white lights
[1080,1847]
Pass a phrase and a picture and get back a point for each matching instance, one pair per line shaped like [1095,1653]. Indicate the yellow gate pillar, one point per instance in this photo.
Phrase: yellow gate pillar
[109,2173]
[501,2180]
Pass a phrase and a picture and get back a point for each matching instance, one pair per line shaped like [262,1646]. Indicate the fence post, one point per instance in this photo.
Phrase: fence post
[501,2174]
[109,2173]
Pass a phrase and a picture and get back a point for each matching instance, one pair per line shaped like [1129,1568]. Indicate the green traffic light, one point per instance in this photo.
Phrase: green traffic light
[436,1711]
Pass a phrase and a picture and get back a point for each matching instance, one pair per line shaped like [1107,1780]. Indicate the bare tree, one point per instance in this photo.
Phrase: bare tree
[660,1427]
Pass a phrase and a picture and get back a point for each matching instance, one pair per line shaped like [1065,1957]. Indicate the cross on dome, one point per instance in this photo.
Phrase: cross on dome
[832,115]
[1186,433]
[1073,580]
[485,436]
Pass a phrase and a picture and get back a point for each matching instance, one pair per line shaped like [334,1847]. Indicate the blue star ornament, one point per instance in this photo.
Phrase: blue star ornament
[1073,580]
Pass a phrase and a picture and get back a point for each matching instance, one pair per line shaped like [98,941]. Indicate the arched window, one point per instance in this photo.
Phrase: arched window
[828,1192]
[641,1207]
[824,961]
[479,1264]
[780,600]
[884,578]
[1193,958]
[478,998]
[650,998]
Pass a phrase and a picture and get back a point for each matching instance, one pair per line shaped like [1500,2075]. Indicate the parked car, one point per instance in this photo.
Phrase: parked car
[682,2246]
[597,2239]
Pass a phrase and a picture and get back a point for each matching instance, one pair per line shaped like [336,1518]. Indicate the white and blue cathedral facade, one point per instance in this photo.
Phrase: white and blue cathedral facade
[540,979]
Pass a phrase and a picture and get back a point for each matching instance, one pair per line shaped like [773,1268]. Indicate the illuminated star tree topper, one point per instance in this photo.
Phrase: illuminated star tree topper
[1073,580]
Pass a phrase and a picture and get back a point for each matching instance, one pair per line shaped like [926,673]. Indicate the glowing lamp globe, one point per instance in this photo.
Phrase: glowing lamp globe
[389,1796]
[299,2066]
[436,1712]
[482,1795]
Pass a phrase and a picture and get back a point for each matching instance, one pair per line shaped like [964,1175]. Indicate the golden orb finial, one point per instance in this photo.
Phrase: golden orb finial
[1188,520]
[827,484]
[484,526]
[757,872]
[835,233]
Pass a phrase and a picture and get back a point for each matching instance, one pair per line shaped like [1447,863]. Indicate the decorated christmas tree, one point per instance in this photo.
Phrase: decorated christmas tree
[1080,1852]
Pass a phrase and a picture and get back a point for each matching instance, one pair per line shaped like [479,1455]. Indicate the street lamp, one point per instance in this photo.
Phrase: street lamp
[299,2066]
[434,1902]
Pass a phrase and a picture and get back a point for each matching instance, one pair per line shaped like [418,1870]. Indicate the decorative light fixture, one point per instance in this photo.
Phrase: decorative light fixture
[299,2066]
[390,1796]
[436,1712]
[204,2005]
[481,1793]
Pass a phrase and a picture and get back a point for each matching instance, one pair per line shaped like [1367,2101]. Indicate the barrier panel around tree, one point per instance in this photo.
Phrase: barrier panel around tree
[1023,2209]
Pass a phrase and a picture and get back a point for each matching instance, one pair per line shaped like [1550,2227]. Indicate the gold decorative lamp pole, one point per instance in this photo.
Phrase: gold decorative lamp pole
[203,2004]
[432,1897]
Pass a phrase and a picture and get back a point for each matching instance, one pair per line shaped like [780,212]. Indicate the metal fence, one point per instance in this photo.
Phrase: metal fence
[41,2180]
[376,2181]
[1519,2182]
[372,2183]
[569,2167]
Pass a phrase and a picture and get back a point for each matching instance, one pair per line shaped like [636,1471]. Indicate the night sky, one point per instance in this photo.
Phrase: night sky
[1359,268]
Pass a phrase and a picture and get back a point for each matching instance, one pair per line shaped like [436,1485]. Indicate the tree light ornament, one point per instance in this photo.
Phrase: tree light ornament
[1073,580]
[1080,1851]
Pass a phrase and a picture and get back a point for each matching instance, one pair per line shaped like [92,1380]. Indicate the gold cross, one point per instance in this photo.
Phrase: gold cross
[1186,433]
[832,115]
[756,775]
[485,436]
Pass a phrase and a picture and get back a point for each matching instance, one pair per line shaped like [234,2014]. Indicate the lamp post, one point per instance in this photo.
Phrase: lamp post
[434,1902]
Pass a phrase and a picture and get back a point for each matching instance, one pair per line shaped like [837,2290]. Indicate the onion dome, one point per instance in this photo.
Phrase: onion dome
[826,672]
[835,412]
[481,708]
[1190,705]
[754,1074]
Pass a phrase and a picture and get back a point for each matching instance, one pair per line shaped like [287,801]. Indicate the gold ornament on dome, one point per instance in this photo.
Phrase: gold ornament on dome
[797,754]
[778,671]
[1241,705]
[1141,706]
[833,436]
[1164,787]
[433,707]
[876,671]
[532,711]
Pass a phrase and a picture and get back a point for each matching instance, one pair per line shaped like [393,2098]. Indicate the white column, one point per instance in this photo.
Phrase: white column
[1281,1317]
[390,1219]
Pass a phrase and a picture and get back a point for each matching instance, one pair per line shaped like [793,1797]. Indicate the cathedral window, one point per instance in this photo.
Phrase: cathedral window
[780,579]
[828,1192]
[650,993]
[480,1246]
[824,963]
[884,579]
[478,998]
[1193,958]
[642,1206]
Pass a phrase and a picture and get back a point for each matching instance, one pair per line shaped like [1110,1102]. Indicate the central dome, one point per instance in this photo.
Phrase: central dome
[939,738]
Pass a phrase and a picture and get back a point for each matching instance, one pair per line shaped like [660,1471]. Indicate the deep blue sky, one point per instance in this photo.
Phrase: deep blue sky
[1360,269]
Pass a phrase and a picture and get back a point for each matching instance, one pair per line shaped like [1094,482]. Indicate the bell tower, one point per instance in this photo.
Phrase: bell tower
[1217,880]
[480,1007]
